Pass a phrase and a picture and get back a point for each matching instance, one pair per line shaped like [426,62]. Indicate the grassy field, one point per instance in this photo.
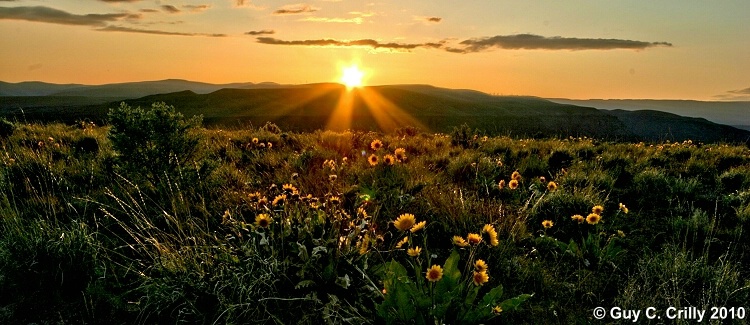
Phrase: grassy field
[154,219]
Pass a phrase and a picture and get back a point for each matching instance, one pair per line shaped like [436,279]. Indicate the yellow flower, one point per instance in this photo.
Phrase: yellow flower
[474,239]
[480,278]
[593,218]
[460,241]
[279,199]
[578,218]
[255,140]
[402,242]
[389,160]
[597,209]
[400,154]
[263,220]
[405,221]
[373,160]
[414,252]
[547,224]
[501,184]
[551,186]
[364,245]
[332,177]
[621,233]
[270,145]
[513,184]
[376,144]
[334,200]
[480,266]
[516,176]
[289,188]
[434,273]
[488,228]
[542,179]
[624,209]
[418,226]
[492,233]
[495,310]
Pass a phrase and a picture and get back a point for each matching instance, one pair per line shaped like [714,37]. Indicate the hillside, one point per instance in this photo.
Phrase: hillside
[331,106]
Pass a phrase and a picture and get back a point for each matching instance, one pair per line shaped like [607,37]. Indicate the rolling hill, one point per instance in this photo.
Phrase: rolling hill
[316,106]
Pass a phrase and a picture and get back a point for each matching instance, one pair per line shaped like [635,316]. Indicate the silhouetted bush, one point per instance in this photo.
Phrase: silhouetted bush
[86,145]
[6,128]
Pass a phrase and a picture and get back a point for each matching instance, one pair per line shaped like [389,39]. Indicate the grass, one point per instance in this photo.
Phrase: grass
[87,236]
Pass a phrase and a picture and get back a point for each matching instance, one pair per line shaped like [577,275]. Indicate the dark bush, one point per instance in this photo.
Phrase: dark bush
[6,128]
[86,145]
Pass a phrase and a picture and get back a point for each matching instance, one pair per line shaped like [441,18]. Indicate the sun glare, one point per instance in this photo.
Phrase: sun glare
[352,77]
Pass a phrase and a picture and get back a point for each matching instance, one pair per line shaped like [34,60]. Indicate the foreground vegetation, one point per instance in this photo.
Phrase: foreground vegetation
[153,219]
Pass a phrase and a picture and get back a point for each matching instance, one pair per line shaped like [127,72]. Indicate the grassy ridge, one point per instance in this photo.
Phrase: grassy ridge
[94,231]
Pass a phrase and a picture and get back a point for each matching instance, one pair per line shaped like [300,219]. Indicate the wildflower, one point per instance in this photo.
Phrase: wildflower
[332,177]
[225,218]
[400,154]
[270,145]
[289,188]
[593,218]
[578,218]
[542,179]
[516,176]
[488,228]
[373,160]
[263,201]
[501,184]
[262,145]
[492,233]
[418,226]
[597,209]
[474,239]
[547,224]
[414,252]
[513,184]
[480,266]
[402,242]
[480,278]
[255,140]
[385,291]
[295,176]
[279,199]
[263,220]
[389,160]
[495,310]
[365,244]
[376,144]
[460,241]
[624,209]
[334,200]
[499,163]
[621,233]
[405,221]
[434,273]
[551,186]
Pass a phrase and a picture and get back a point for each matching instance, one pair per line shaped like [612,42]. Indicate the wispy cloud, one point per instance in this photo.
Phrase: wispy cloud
[153,32]
[355,20]
[295,9]
[739,94]
[148,10]
[537,42]
[509,42]
[55,16]
[196,8]
[433,19]
[261,32]
[170,9]
[118,0]
[355,43]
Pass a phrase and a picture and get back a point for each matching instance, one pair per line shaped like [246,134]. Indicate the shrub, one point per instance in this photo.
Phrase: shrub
[6,128]
[152,142]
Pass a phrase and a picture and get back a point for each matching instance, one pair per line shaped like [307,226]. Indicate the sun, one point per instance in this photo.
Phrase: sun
[352,77]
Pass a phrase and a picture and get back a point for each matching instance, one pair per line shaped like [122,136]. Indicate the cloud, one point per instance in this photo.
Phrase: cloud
[433,19]
[261,32]
[153,32]
[356,43]
[510,42]
[739,94]
[55,16]
[148,10]
[170,9]
[355,20]
[294,9]
[362,14]
[537,42]
[119,0]
[196,8]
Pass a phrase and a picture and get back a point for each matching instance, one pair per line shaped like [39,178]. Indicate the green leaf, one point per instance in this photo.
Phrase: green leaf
[343,281]
[303,255]
[471,295]
[513,303]
[491,298]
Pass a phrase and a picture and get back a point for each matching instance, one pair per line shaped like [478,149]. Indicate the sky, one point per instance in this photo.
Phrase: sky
[637,49]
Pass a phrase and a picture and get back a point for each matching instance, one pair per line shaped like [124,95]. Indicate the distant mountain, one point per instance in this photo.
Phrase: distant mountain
[120,90]
[736,114]
[316,106]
